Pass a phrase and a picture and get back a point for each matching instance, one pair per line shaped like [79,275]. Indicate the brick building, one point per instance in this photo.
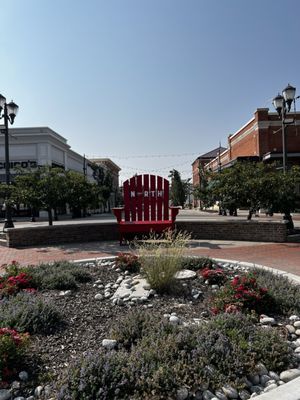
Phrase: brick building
[260,139]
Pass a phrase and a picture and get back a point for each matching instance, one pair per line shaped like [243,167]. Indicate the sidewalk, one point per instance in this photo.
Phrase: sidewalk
[283,256]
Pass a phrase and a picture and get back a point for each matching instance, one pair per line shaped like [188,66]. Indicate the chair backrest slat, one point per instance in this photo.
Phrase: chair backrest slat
[146,198]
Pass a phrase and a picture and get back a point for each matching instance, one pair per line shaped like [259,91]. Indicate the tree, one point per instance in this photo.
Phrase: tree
[80,193]
[179,189]
[254,186]
[105,184]
[42,188]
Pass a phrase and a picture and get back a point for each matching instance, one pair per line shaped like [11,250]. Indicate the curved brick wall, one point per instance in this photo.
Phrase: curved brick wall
[222,230]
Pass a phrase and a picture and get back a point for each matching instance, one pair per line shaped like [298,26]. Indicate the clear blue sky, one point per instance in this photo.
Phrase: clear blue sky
[123,78]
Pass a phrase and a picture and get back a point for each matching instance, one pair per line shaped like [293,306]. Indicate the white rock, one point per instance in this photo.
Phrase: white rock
[64,293]
[38,391]
[297,350]
[23,375]
[220,395]
[208,395]
[185,274]
[264,379]
[109,344]
[270,387]
[146,286]
[290,328]
[297,332]
[294,318]
[273,375]
[215,287]
[244,395]
[267,321]
[107,295]
[98,296]
[182,394]
[119,280]
[289,374]
[230,392]
[256,389]
[297,324]
[173,313]
[261,369]
[5,394]
[174,320]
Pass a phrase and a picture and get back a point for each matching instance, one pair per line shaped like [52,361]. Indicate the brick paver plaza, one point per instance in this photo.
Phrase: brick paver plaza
[284,256]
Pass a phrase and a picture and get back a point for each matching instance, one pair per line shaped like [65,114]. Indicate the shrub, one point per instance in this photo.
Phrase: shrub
[161,259]
[99,376]
[162,358]
[214,276]
[285,294]
[15,278]
[28,313]
[242,293]
[60,275]
[12,346]
[137,324]
[128,262]
[196,263]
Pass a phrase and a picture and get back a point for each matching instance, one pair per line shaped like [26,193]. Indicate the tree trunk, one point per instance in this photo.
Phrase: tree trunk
[251,211]
[50,220]
[287,218]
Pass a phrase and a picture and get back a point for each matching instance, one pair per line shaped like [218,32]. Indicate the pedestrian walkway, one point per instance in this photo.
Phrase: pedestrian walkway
[283,256]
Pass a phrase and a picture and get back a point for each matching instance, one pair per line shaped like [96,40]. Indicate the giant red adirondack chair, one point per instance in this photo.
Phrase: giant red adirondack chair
[146,206]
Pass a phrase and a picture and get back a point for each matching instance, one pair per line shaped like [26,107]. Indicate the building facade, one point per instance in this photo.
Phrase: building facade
[260,139]
[33,147]
[38,146]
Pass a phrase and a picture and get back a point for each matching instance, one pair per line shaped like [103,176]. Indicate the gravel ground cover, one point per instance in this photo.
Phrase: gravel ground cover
[91,311]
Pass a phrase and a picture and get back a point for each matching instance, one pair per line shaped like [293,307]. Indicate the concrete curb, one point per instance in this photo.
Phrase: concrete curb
[288,391]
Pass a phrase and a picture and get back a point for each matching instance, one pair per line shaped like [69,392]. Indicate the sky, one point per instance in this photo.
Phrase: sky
[151,84]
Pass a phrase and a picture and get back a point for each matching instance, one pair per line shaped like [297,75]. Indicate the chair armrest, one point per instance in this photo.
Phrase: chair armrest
[118,213]
[174,212]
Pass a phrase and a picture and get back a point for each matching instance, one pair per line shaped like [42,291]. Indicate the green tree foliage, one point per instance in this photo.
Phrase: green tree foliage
[179,188]
[104,182]
[253,186]
[80,193]
[42,188]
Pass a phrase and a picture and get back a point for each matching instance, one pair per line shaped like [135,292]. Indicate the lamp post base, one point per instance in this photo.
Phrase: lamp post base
[8,223]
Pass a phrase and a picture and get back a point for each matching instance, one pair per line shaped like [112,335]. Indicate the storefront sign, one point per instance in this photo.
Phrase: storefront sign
[22,164]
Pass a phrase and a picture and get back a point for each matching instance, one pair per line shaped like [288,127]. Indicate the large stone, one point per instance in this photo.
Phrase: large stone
[109,344]
[5,394]
[182,394]
[230,392]
[260,369]
[185,274]
[289,374]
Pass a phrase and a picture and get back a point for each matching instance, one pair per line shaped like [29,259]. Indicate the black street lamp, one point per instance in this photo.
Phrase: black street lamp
[8,112]
[282,104]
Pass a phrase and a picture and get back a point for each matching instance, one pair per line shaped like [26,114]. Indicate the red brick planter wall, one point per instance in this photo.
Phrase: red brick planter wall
[255,231]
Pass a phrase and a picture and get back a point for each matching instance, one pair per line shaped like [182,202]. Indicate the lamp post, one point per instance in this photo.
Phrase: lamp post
[8,112]
[282,104]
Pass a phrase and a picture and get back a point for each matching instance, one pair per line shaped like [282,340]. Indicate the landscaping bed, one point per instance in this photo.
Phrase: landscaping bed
[217,331]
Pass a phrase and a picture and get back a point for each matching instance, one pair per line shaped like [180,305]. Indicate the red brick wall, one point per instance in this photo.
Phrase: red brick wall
[223,230]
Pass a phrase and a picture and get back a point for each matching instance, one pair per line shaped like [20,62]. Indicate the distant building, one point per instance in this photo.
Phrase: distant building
[260,139]
[109,166]
[199,164]
[38,146]
[33,147]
